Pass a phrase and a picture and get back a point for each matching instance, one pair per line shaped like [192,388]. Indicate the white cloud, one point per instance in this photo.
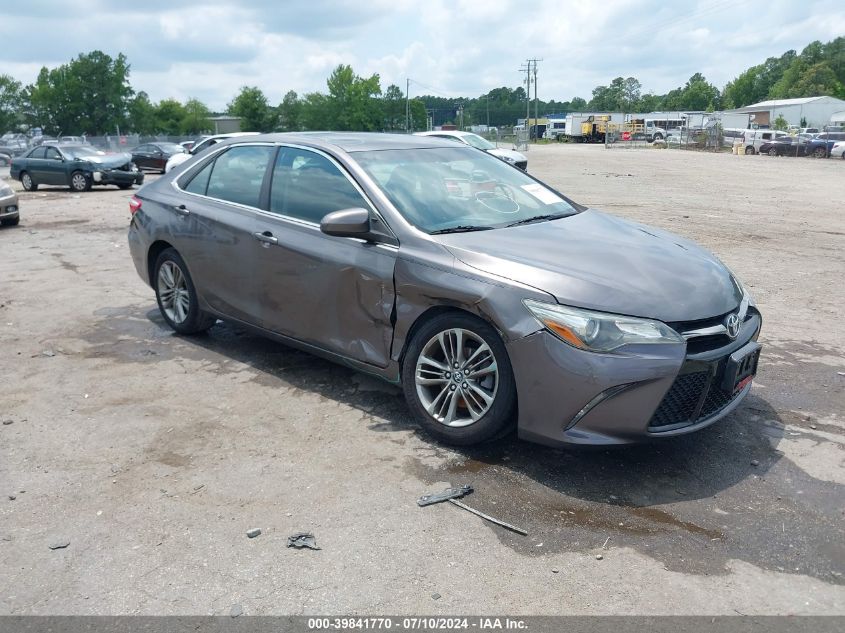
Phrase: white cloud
[209,48]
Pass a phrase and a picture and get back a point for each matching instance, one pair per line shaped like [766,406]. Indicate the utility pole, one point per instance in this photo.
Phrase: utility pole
[407,106]
[536,102]
[526,68]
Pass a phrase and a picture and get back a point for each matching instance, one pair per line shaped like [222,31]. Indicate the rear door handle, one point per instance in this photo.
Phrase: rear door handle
[266,237]
[181,209]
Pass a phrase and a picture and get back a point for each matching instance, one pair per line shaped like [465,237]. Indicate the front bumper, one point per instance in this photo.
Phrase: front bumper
[9,208]
[569,396]
[118,177]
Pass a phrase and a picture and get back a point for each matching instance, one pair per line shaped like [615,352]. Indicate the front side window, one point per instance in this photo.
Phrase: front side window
[237,174]
[53,154]
[307,185]
[443,189]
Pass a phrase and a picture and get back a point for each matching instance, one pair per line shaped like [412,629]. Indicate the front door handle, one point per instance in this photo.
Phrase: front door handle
[266,237]
[181,209]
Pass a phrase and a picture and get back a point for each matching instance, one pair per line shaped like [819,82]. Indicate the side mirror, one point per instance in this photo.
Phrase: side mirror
[346,223]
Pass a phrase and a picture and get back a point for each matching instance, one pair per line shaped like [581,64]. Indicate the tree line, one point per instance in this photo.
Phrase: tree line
[92,95]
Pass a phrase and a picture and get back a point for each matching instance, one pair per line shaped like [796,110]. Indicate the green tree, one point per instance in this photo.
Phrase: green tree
[142,115]
[578,104]
[394,108]
[419,116]
[780,123]
[88,95]
[290,112]
[353,102]
[315,111]
[196,119]
[11,95]
[252,107]
[169,115]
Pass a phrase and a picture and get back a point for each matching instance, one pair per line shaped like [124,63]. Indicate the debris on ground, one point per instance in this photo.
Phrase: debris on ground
[555,570]
[435,596]
[754,462]
[302,540]
[452,494]
[487,517]
[12,497]
[236,610]
[439,497]
[8,422]
[599,557]
[59,544]
[253,532]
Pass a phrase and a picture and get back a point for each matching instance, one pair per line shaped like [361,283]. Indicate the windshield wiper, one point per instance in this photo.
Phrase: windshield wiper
[538,218]
[461,229]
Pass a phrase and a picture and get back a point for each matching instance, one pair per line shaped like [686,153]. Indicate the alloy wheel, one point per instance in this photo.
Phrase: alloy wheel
[78,182]
[26,181]
[456,377]
[173,291]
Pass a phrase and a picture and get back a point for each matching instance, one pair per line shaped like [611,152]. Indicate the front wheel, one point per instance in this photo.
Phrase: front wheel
[79,182]
[28,183]
[177,296]
[749,151]
[125,185]
[458,380]
[773,152]
[820,152]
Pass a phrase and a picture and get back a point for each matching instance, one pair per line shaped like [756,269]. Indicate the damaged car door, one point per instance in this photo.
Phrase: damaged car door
[332,292]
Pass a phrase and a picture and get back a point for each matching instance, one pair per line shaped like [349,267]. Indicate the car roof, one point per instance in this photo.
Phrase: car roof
[355,141]
[458,133]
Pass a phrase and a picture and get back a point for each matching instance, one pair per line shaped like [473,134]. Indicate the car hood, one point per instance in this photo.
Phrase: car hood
[598,261]
[109,160]
[507,153]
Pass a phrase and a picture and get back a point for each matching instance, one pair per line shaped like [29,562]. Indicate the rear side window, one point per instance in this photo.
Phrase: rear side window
[237,174]
[307,186]
[38,152]
[199,183]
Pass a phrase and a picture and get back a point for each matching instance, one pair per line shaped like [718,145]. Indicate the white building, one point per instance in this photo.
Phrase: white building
[817,111]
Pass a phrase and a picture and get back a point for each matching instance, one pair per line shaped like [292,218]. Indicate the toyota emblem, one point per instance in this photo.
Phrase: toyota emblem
[732,324]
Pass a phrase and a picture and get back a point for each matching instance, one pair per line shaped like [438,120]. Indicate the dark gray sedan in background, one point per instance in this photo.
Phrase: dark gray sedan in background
[490,297]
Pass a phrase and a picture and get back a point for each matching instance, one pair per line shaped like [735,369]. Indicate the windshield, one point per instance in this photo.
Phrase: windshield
[458,188]
[81,152]
[478,142]
[171,147]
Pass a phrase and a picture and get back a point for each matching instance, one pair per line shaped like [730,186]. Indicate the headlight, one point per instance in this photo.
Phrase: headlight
[508,159]
[5,190]
[599,331]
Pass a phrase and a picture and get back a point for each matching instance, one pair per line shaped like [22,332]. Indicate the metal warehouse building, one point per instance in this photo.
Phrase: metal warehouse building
[817,111]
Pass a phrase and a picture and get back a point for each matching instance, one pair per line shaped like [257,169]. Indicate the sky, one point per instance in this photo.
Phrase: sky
[208,49]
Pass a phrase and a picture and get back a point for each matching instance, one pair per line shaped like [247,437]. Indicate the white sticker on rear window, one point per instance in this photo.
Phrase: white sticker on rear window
[542,194]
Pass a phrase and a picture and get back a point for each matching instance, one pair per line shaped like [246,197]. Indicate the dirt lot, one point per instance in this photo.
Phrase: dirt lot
[152,455]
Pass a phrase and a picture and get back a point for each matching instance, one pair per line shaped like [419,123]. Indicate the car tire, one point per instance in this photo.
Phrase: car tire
[773,152]
[749,151]
[11,221]
[27,182]
[79,182]
[658,137]
[820,152]
[125,185]
[460,409]
[176,295]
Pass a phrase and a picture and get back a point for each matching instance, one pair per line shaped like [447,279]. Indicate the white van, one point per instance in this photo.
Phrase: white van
[753,139]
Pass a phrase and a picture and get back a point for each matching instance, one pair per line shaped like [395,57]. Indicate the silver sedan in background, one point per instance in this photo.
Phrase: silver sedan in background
[494,300]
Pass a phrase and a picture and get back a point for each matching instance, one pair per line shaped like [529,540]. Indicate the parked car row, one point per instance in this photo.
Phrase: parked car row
[776,143]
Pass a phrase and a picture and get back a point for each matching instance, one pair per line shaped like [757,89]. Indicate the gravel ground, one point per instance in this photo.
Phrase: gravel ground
[151,456]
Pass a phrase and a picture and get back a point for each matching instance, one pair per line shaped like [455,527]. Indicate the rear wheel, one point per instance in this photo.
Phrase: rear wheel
[773,152]
[28,183]
[458,380]
[820,152]
[79,181]
[177,296]
[125,185]
[749,150]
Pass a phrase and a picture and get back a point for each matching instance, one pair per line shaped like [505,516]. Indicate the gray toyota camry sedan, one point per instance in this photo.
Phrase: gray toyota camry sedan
[493,299]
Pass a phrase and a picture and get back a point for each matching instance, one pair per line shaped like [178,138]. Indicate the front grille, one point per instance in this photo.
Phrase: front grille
[693,397]
[522,164]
